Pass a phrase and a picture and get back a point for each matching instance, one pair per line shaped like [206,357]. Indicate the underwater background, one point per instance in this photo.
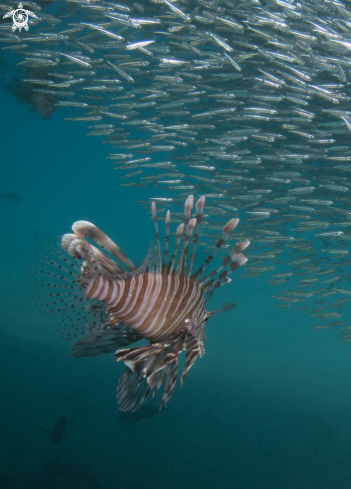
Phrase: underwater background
[267,407]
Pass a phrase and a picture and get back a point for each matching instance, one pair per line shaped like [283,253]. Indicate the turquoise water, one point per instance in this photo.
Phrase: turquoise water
[267,407]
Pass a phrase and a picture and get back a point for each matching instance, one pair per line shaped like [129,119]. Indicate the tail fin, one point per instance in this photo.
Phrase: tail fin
[132,391]
[148,366]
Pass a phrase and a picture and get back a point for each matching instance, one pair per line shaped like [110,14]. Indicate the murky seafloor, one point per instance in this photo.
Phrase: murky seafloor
[268,406]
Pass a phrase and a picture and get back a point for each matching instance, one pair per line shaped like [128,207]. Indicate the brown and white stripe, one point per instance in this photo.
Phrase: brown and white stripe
[157,305]
[162,301]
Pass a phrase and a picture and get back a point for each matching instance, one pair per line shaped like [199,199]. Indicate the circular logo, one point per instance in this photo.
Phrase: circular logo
[20,18]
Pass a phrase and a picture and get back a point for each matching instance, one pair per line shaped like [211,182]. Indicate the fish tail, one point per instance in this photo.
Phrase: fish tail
[148,366]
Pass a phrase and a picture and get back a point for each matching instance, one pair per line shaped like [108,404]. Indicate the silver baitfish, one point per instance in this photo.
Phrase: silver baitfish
[162,301]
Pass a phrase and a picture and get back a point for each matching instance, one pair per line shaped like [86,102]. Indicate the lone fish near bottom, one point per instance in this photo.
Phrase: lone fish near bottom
[162,301]
[57,432]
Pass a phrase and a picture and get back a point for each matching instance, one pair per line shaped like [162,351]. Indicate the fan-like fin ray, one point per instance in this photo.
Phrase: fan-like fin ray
[105,341]
[227,230]
[192,352]
[132,391]
[200,204]
[144,364]
[157,235]
[171,379]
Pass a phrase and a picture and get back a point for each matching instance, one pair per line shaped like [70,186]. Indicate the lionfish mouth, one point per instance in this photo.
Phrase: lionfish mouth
[162,301]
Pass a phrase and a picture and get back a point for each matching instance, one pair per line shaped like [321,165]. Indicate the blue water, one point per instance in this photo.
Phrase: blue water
[268,406]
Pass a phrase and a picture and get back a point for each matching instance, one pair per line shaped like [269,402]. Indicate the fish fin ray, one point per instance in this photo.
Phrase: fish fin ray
[52,279]
[171,379]
[104,341]
[132,390]
[226,232]
[144,365]
[193,350]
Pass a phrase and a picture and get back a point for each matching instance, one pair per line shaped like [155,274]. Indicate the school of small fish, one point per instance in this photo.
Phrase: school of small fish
[247,103]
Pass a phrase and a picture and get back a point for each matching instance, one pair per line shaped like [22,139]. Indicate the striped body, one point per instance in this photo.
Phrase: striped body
[162,301]
[157,305]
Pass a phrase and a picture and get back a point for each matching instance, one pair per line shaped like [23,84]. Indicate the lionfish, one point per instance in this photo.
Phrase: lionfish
[162,301]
